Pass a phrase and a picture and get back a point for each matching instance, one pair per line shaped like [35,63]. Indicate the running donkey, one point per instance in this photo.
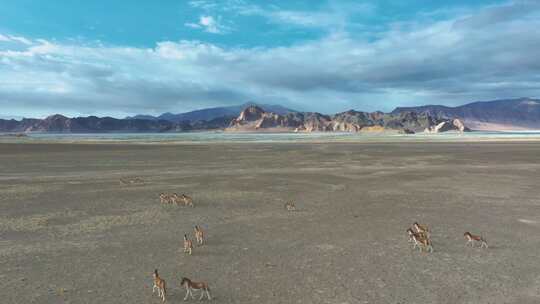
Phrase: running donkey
[190,286]
[471,238]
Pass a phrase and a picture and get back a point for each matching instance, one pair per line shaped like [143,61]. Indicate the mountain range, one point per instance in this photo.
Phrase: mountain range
[507,114]
[212,113]
[199,120]
[254,118]
[522,113]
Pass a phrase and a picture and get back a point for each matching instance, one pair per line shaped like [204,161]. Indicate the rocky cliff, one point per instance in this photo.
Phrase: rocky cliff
[254,118]
[508,114]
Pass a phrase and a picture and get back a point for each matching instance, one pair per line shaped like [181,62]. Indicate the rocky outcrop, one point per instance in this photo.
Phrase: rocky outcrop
[316,122]
[351,121]
[251,113]
[520,113]
[449,125]
[458,124]
[254,118]
[440,127]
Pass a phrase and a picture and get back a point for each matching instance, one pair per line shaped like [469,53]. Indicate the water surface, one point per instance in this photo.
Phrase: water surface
[204,137]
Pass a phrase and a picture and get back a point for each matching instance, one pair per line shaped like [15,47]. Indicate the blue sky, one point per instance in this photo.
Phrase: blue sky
[122,58]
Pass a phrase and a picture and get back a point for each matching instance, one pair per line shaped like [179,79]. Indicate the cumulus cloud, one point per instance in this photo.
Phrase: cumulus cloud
[210,25]
[16,39]
[449,62]
[332,16]
[204,4]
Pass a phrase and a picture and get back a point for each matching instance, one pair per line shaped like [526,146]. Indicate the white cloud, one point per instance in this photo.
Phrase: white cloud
[307,19]
[210,25]
[204,4]
[333,14]
[16,39]
[20,40]
[337,16]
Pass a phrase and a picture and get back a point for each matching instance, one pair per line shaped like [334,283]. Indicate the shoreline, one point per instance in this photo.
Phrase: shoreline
[351,139]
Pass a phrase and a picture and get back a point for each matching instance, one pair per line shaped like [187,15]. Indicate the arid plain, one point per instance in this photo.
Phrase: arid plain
[70,232]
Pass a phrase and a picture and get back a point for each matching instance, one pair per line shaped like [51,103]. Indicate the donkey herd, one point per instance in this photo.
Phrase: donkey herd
[419,235]
[159,283]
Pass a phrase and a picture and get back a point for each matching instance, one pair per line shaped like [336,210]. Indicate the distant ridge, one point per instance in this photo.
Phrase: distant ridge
[505,114]
[200,120]
[213,113]
[253,118]
[60,124]
[256,119]
[509,114]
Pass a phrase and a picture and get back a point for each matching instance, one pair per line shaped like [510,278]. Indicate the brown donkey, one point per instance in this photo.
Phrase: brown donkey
[190,286]
[188,201]
[160,285]
[471,238]
[422,229]
[420,240]
[290,206]
[188,245]
[199,235]
[166,198]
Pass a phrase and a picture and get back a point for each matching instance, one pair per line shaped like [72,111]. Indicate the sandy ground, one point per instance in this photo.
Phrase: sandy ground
[71,233]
